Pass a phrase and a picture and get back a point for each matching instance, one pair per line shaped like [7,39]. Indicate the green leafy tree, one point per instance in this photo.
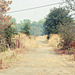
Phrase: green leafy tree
[9,32]
[37,27]
[26,29]
[4,21]
[56,17]
[13,21]
[26,21]
[20,25]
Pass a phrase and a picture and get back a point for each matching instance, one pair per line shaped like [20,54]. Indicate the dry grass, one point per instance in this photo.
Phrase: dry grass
[10,57]
[54,40]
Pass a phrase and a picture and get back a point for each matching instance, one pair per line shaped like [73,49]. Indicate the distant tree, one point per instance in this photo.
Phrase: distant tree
[56,17]
[37,27]
[20,25]
[26,29]
[35,30]
[26,21]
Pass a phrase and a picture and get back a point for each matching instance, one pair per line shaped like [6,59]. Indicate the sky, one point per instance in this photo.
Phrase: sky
[33,15]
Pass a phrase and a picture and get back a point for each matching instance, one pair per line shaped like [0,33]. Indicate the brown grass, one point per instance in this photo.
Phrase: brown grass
[12,56]
[54,40]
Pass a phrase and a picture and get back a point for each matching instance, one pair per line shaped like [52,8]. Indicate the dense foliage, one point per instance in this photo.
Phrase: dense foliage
[67,32]
[4,22]
[36,28]
[57,16]
[9,32]
[26,29]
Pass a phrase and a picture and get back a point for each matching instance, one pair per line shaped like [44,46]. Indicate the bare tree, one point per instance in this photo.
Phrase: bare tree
[71,4]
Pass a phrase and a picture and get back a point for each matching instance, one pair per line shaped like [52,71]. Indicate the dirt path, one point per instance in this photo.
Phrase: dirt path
[40,61]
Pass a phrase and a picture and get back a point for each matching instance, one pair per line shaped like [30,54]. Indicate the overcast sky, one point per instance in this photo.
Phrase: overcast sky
[35,14]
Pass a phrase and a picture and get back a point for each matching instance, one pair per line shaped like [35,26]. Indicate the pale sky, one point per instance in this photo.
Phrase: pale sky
[35,14]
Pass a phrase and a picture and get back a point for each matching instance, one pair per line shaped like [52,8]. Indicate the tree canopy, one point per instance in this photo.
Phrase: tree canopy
[56,17]
[36,28]
[4,19]
[26,29]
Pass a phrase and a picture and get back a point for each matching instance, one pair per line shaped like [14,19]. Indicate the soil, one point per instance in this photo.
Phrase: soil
[40,59]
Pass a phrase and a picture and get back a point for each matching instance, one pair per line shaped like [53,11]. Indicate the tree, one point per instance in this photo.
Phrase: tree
[56,17]
[67,33]
[4,19]
[6,29]
[26,29]
[13,21]
[9,32]
[14,24]
[37,27]
[20,25]
[4,7]
[26,21]
[71,4]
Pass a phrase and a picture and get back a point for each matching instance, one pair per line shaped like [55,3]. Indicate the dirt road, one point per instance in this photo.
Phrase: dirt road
[40,61]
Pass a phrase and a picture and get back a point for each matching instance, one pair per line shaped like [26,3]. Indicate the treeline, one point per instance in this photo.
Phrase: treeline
[28,27]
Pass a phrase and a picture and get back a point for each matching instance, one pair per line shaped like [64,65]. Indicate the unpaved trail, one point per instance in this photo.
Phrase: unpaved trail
[40,61]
